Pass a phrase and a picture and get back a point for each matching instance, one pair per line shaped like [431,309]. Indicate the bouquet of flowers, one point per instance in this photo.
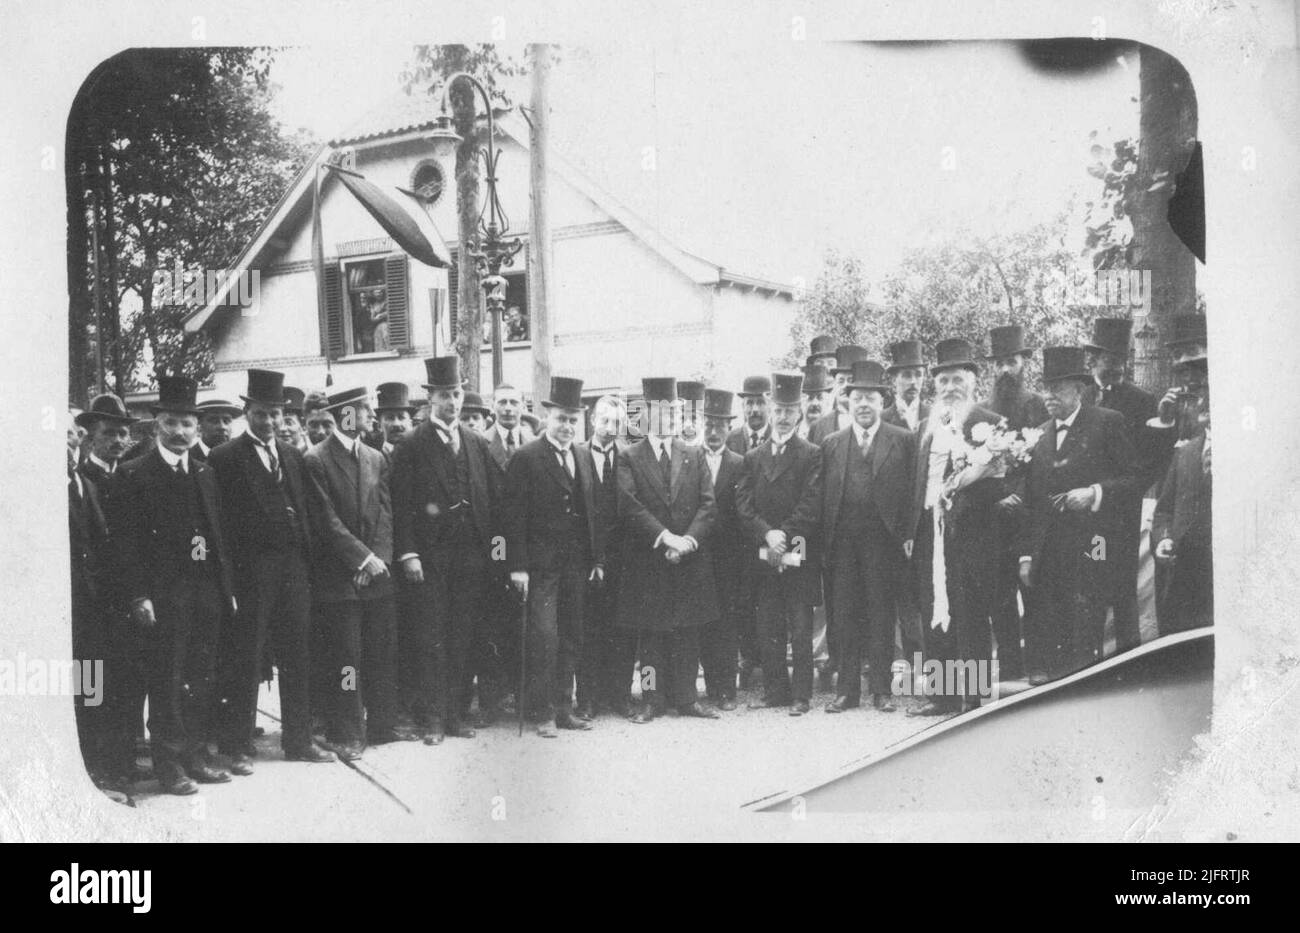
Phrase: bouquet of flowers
[993,450]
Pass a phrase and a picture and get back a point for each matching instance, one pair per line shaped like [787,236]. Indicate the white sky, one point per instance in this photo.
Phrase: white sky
[765,156]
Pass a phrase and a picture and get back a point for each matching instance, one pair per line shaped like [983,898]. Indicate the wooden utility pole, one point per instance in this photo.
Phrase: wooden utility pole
[539,228]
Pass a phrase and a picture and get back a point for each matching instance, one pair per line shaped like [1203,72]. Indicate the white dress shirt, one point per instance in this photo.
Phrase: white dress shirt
[598,460]
[103,464]
[713,458]
[171,459]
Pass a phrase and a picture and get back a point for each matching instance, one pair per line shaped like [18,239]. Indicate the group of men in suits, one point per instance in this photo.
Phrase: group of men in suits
[403,564]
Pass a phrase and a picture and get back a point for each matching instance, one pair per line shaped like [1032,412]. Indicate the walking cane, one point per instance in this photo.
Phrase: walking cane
[523,658]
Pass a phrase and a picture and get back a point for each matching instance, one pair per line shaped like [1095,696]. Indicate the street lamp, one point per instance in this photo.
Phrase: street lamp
[490,247]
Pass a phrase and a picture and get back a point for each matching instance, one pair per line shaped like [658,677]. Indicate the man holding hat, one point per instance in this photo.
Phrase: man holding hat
[351,579]
[215,418]
[692,395]
[446,490]
[907,374]
[108,426]
[293,432]
[868,520]
[264,511]
[754,400]
[839,417]
[1080,477]
[779,503]
[1107,359]
[554,551]
[174,573]
[667,593]
[731,573]
[395,411]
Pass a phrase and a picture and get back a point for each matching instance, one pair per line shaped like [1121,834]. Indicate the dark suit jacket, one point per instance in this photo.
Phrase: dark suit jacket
[541,500]
[605,496]
[893,459]
[1183,508]
[353,516]
[88,539]
[891,415]
[823,428]
[738,439]
[244,507]
[1026,410]
[1096,450]
[498,447]
[422,502]
[655,595]
[785,494]
[1153,447]
[728,537]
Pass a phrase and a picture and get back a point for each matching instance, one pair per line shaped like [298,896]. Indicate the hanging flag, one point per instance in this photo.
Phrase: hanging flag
[399,224]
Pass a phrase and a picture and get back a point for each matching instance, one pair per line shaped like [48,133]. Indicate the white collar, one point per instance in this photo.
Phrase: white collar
[265,445]
[171,458]
[103,465]
[781,441]
[661,444]
[606,449]
[555,446]
[204,448]
[714,454]
[1069,422]
[505,432]
[349,443]
[864,435]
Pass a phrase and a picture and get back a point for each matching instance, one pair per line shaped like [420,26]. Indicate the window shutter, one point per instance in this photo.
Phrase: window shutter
[397,284]
[333,311]
[453,290]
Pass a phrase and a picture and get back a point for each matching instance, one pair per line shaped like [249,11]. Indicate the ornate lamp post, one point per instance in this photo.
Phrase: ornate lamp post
[491,247]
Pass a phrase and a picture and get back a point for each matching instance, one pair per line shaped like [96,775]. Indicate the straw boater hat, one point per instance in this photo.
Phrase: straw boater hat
[219,406]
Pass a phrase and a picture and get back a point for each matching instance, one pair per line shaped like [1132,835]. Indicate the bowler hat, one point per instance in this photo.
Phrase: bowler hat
[293,400]
[474,402]
[822,345]
[1186,328]
[846,356]
[755,385]
[868,376]
[106,407]
[905,354]
[393,396]
[1008,340]
[816,379]
[787,388]
[176,394]
[954,353]
[1064,363]
[566,393]
[1110,335]
[718,404]
[265,386]
[443,372]
[220,406]
[659,389]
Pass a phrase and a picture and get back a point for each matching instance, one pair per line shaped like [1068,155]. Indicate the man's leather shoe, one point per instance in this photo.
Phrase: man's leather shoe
[586,711]
[459,730]
[931,708]
[645,714]
[312,753]
[572,722]
[765,703]
[241,765]
[347,751]
[625,708]
[206,774]
[840,704]
[727,704]
[1037,680]
[697,711]
[178,784]
[432,734]
[547,729]
[386,736]
[799,707]
[883,702]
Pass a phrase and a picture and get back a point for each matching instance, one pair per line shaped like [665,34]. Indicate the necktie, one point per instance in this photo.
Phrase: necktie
[510,440]
[753,439]
[449,435]
[607,464]
[665,464]
[566,462]
[866,446]
[1061,430]
[275,463]
[180,467]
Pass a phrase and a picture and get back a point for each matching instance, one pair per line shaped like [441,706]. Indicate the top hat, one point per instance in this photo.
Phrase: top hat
[953,353]
[393,396]
[787,388]
[443,372]
[846,356]
[474,402]
[176,394]
[1064,363]
[106,407]
[689,391]
[718,404]
[1186,328]
[905,354]
[822,346]
[566,393]
[1111,335]
[1008,340]
[356,396]
[869,376]
[293,400]
[659,389]
[816,379]
[220,406]
[265,386]
[755,385]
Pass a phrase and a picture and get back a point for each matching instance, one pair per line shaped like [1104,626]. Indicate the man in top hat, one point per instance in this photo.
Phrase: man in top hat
[1107,359]
[446,489]
[838,418]
[821,354]
[352,582]
[554,551]
[473,413]
[1081,475]
[215,418]
[956,495]
[509,433]
[779,503]
[667,594]
[691,394]
[1021,409]
[292,430]
[109,432]
[395,411]
[754,401]
[729,550]
[906,372]
[608,662]
[174,573]
[868,520]
[817,389]
[264,512]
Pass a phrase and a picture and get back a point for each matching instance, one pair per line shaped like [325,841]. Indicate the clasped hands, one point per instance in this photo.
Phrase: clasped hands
[676,547]
[372,569]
